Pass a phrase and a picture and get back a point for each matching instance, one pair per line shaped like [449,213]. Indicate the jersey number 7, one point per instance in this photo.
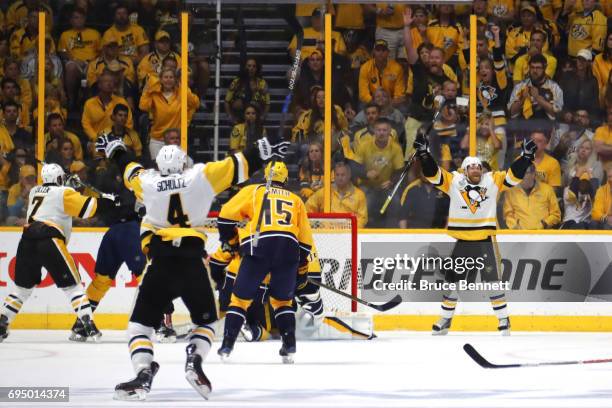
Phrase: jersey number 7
[281,212]
[36,202]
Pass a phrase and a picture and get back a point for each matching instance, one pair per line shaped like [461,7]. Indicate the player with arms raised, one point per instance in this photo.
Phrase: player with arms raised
[472,219]
[177,201]
[51,207]
[279,245]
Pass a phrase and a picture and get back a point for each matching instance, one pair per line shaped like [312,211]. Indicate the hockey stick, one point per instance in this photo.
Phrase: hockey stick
[381,308]
[80,182]
[484,363]
[398,184]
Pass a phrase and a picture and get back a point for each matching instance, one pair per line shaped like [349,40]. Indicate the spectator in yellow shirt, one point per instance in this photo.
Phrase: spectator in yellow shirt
[518,38]
[109,54]
[311,170]
[390,27]
[383,72]
[602,205]
[17,13]
[603,139]
[151,64]
[382,159]
[133,40]
[119,130]
[587,29]
[536,45]
[98,109]
[18,195]
[444,32]
[77,47]
[548,169]
[314,38]
[24,41]
[57,132]
[602,65]
[251,129]
[309,126]
[162,100]
[345,197]
[531,204]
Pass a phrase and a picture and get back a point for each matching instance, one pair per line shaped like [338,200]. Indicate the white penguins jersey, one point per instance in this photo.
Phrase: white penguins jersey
[177,205]
[472,213]
[56,205]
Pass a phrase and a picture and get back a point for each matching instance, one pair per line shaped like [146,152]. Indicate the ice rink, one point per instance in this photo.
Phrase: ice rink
[398,369]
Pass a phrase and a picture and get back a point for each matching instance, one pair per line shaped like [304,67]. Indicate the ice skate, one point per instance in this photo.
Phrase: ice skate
[4,323]
[441,327]
[504,326]
[288,349]
[138,388]
[194,374]
[226,348]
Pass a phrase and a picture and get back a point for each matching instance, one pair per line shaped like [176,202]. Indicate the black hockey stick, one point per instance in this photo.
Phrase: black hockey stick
[484,363]
[381,308]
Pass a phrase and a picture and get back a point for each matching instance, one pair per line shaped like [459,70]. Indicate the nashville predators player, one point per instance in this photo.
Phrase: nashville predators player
[177,201]
[281,249]
[51,207]
[472,221]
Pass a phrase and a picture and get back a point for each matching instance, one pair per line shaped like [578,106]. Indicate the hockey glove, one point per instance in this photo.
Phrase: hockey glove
[74,181]
[114,198]
[528,149]
[421,145]
[109,145]
[269,151]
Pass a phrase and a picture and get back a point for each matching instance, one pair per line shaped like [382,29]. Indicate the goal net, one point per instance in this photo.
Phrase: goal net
[335,238]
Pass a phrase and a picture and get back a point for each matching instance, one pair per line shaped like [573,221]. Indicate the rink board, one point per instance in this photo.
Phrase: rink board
[48,307]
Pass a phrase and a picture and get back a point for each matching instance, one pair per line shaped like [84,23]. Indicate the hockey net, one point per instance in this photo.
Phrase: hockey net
[335,237]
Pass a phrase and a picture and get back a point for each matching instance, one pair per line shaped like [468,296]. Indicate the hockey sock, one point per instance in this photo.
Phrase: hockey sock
[500,307]
[78,300]
[285,320]
[140,345]
[202,337]
[234,318]
[97,289]
[449,303]
[14,301]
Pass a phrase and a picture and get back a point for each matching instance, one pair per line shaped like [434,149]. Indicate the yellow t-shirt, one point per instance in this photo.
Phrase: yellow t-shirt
[601,71]
[349,16]
[81,45]
[130,39]
[394,21]
[385,160]
[587,32]
[391,80]
[97,116]
[449,38]
[549,171]
[603,134]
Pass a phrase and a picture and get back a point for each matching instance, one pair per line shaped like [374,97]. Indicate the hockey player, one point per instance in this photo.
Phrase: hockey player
[177,202]
[472,219]
[281,249]
[51,207]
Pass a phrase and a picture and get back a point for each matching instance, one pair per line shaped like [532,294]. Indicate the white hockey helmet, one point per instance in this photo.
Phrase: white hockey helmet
[470,161]
[171,159]
[52,174]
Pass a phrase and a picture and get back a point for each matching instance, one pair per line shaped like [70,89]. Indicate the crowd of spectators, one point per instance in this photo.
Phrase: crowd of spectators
[543,71]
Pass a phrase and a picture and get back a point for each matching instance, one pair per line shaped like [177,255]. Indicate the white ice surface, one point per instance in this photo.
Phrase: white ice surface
[399,369]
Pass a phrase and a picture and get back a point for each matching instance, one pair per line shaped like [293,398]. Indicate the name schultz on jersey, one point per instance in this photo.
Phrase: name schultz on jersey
[171,184]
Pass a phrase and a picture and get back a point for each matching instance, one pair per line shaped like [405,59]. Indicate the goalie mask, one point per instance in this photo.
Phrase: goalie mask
[52,173]
[171,160]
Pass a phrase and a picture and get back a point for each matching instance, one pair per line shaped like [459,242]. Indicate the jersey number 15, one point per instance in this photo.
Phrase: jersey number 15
[282,211]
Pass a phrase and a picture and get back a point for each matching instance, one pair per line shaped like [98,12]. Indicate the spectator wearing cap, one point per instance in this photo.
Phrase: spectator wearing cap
[18,194]
[24,40]
[531,204]
[77,46]
[345,197]
[248,88]
[314,38]
[98,109]
[536,46]
[120,130]
[110,53]
[518,38]
[581,91]
[57,132]
[382,72]
[602,205]
[133,41]
[536,97]
[587,29]
[151,64]
[602,65]
[390,26]
[161,99]
[603,139]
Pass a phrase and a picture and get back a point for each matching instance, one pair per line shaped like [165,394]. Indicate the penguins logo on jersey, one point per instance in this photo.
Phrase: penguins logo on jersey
[473,196]
[488,92]
[578,32]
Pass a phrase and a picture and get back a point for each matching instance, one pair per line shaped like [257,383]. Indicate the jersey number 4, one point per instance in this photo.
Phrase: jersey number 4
[281,212]
[176,216]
